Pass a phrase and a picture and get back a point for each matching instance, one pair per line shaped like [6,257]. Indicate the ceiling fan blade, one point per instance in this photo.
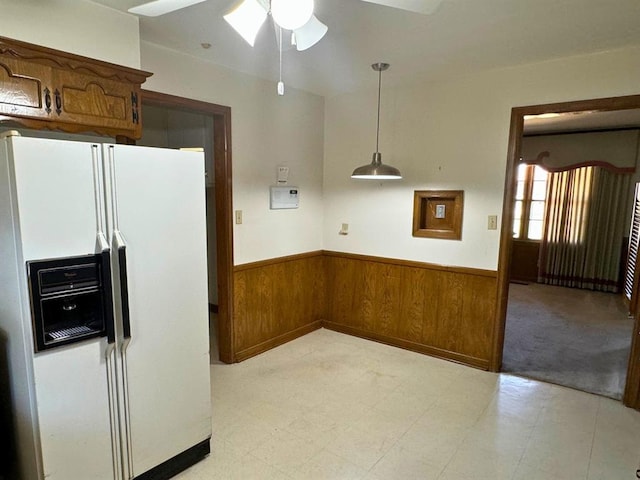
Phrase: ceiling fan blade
[247,19]
[160,7]
[425,7]
[310,33]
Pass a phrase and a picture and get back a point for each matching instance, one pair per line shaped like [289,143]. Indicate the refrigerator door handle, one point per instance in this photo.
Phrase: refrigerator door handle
[124,291]
[119,243]
[120,249]
[103,249]
[126,333]
[127,412]
[109,320]
[116,453]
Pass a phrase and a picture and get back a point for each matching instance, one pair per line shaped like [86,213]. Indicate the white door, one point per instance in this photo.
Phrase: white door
[160,211]
[58,217]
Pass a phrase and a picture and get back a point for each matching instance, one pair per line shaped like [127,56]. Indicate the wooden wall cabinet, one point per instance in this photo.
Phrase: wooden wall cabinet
[43,88]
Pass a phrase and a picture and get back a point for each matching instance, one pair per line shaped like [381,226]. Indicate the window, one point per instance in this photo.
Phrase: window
[531,192]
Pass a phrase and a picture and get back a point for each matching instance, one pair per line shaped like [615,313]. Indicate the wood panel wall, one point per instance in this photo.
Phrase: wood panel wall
[441,311]
[276,301]
[445,312]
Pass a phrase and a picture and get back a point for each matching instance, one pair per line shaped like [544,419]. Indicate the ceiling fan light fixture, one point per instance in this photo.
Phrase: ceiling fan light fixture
[247,19]
[310,33]
[291,14]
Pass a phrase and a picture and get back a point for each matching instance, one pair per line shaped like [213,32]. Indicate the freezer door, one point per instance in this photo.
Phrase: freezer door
[158,222]
[56,197]
[59,216]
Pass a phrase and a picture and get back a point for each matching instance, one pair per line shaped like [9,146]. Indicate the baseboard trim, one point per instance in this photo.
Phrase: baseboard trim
[467,360]
[277,341]
[179,463]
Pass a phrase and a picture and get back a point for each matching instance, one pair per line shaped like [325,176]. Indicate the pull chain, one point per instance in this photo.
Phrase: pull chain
[280,82]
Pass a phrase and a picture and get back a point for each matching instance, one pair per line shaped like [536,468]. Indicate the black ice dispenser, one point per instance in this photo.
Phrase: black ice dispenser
[70,299]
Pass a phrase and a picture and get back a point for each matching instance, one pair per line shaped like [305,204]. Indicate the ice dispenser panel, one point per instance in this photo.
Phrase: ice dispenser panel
[68,299]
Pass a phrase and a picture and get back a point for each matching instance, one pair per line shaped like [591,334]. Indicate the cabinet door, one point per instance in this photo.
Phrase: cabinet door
[95,101]
[25,89]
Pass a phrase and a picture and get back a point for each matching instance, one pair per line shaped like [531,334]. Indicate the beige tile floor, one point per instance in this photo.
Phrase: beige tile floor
[332,406]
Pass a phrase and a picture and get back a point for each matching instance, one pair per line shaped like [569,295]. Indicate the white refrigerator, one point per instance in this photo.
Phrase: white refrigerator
[131,400]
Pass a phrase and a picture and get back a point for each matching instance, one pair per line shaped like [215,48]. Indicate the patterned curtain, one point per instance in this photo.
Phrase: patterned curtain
[586,221]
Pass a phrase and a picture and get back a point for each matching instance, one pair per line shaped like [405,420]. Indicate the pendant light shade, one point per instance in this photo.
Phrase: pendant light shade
[376,170]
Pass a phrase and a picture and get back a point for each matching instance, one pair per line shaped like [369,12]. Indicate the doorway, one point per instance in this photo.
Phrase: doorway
[190,123]
[507,242]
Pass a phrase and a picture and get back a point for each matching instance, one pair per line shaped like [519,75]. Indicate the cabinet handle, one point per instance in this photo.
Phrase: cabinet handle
[58,101]
[47,100]
[135,118]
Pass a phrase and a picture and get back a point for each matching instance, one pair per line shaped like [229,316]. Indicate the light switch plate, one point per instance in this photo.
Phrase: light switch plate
[492,222]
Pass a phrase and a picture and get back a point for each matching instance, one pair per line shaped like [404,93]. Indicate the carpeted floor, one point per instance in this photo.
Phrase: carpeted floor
[570,337]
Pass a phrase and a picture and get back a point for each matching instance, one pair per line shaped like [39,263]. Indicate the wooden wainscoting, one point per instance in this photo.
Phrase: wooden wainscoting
[446,312]
[276,301]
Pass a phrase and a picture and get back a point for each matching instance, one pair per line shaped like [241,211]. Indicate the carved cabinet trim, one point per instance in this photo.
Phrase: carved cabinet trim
[44,88]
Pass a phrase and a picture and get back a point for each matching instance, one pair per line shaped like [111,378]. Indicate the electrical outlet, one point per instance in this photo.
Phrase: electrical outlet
[493,222]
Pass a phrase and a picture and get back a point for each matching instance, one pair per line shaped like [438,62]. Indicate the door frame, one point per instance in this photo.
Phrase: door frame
[632,388]
[224,205]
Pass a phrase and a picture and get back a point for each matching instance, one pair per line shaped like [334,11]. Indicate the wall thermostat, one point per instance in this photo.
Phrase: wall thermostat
[283,197]
[283,175]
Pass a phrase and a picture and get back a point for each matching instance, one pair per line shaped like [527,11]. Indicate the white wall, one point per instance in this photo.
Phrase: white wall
[267,131]
[74,26]
[445,135]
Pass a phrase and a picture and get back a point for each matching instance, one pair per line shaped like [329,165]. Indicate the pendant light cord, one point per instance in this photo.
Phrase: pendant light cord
[378,124]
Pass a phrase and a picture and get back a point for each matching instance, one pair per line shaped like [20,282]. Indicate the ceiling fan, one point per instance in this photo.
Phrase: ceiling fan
[293,15]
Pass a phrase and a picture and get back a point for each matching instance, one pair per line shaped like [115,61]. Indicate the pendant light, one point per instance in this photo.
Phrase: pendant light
[377,170]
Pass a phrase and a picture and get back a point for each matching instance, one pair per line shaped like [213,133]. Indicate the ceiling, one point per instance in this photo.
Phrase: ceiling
[461,37]
[581,121]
